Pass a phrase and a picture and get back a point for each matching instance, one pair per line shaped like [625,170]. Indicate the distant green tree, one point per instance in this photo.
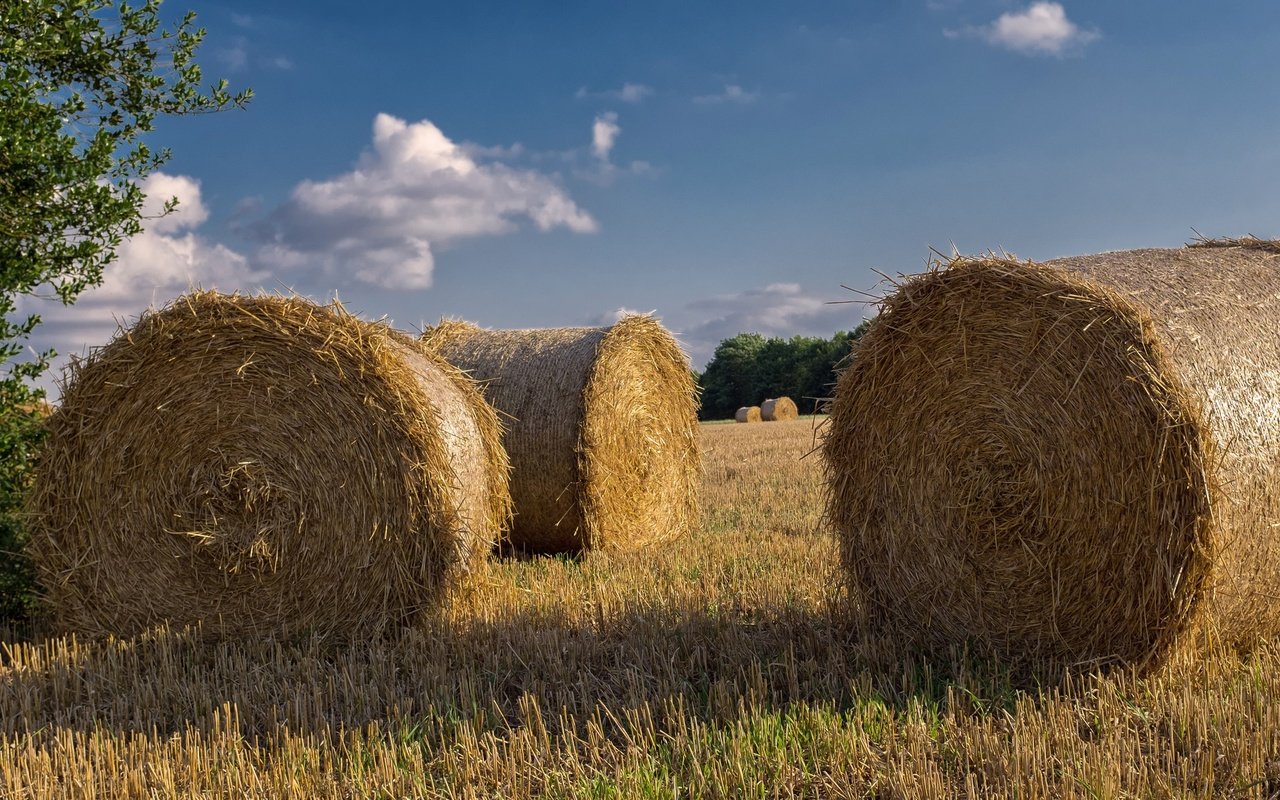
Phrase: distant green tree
[20,435]
[748,368]
[731,375]
[776,368]
[81,83]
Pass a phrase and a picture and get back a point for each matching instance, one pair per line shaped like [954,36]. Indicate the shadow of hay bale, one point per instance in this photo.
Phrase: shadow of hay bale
[172,680]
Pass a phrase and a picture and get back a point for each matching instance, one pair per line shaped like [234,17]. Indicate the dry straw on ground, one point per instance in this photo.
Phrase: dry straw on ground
[747,414]
[1074,460]
[602,431]
[263,464]
[778,410]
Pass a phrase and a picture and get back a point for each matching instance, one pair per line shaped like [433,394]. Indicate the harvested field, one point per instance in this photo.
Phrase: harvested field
[601,430]
[1072,461]
[262,465]
[711,667]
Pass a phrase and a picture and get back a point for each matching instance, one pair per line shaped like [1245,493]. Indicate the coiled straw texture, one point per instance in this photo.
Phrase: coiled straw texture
[601,429]
[1075,461]
[262,464]
[778,409]
[747,414]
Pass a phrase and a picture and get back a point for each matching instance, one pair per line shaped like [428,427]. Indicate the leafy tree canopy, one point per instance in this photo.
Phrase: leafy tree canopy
[81,84]
[748,368]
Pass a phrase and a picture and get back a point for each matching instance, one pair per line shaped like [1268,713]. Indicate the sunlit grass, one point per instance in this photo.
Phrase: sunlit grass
[718,666]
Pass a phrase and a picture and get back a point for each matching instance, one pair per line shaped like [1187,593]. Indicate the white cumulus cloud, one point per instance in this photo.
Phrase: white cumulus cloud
[1041,28]
[166,259]
[414,191]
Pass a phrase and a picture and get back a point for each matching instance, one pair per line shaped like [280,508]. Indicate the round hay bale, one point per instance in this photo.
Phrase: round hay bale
[1074,461]
[602,429]
[779,409]
[747,414]
[262,464]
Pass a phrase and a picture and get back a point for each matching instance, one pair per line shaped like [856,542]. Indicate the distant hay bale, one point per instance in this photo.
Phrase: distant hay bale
[602,432]
[1075,461]
[262,464]
[778,410]
[747,414]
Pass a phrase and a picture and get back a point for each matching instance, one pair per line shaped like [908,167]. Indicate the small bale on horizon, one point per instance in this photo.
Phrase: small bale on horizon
[747,414]
[778,409]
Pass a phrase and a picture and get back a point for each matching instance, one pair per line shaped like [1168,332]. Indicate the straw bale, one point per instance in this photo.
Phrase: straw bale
[263,464]
[602,432]
[1074,461]
[747,414]
[779,409]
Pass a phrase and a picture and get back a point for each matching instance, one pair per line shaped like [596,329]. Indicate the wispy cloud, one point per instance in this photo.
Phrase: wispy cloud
[779,309]
[628,93]
[235,57]
[496,151]
[1041,28]
[413,191]
[602,170]
[241,54]
[594,161]
[731,94]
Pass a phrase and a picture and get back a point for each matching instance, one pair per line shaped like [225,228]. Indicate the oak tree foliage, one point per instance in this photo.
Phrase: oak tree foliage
[82,83]
[748,368]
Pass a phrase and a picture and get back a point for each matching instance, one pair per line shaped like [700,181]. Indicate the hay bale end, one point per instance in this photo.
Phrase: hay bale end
[602,429]
[1076,461]
[262,465]
[778,409]
[747,414]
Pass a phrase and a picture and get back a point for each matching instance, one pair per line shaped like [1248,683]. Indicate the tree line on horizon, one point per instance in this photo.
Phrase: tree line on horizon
[748,368]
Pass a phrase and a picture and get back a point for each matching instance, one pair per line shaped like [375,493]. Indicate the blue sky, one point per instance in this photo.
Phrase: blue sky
[727,165]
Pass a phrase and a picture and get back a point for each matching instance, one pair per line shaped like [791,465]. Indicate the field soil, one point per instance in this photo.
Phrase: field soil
[723,665]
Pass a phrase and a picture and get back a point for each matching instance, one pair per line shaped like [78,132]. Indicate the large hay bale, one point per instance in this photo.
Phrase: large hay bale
[1074,461]
[602,432]
[262,464]
[747,414]
[778,410]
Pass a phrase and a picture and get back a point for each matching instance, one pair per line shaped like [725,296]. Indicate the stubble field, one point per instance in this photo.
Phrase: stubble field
[719,666]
